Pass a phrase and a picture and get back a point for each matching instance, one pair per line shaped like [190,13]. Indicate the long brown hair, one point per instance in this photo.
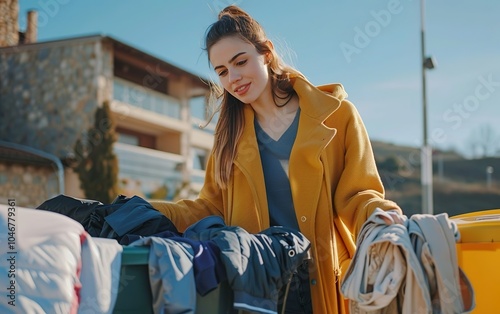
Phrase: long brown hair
[233,21]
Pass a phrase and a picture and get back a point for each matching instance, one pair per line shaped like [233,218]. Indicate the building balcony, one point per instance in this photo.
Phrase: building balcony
[141,97]
[149,168]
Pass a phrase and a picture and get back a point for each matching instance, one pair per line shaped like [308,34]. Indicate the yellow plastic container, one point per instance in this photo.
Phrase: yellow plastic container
[479,256]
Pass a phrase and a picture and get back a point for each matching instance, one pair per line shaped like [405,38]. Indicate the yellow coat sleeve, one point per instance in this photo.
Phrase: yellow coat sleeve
[360,188]
[186,212]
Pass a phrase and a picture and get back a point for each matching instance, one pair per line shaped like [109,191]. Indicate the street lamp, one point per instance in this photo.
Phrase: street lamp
[428,63]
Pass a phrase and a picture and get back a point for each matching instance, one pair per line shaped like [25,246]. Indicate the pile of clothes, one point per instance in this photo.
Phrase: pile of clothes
[407,267]
[122,218]
[181,265]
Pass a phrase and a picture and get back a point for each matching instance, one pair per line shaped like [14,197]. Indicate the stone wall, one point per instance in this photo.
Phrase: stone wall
[9,29]
[28,185]
[49,91]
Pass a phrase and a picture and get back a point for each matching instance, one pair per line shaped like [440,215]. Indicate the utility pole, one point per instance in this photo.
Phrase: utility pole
[426,154]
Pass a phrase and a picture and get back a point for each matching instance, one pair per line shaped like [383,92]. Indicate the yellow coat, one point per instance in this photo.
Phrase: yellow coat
[334,181]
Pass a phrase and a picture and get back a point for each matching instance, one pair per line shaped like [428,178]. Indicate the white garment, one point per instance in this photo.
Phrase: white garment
[45,255]
[434,241]
[100,276]
[397,270]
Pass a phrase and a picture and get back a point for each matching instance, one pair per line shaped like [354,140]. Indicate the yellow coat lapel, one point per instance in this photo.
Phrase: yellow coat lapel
[306,167]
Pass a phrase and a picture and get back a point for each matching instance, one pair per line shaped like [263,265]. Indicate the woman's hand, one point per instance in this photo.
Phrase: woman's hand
[395,217]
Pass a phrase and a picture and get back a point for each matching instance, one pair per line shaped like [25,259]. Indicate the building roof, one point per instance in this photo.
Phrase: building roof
[156,64]
[124,50]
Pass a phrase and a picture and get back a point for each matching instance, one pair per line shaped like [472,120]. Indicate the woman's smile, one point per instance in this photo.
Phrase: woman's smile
[242,89]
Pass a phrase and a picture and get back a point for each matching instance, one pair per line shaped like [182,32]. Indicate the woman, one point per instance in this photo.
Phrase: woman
[285,153]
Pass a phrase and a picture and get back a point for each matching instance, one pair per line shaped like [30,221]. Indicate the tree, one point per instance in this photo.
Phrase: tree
[96,163]
[483,142]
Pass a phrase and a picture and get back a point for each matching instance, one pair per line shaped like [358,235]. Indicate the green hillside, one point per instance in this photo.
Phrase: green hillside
[460,185]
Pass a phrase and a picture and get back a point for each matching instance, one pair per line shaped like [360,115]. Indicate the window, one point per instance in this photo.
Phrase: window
[135,138]
[128,139]
[199,158]
[200,115]
[197,107]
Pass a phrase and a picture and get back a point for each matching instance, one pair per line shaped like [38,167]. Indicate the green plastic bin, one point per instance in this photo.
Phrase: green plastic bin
[134,292]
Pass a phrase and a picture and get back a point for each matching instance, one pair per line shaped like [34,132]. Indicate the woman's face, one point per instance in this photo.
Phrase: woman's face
[241,69]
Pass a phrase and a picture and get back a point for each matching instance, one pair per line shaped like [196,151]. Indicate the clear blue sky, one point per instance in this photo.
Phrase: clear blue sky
[371,47]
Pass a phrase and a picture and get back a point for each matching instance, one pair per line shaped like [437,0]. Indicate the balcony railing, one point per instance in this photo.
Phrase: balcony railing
[144,98]
[151,167]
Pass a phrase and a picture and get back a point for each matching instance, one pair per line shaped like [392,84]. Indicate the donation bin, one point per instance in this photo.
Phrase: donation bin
[134,292]
[478,253]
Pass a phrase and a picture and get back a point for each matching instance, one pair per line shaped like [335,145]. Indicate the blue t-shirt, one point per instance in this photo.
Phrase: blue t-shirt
[275,156]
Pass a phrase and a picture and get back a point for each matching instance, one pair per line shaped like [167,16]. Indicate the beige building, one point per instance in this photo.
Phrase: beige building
[49,92]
